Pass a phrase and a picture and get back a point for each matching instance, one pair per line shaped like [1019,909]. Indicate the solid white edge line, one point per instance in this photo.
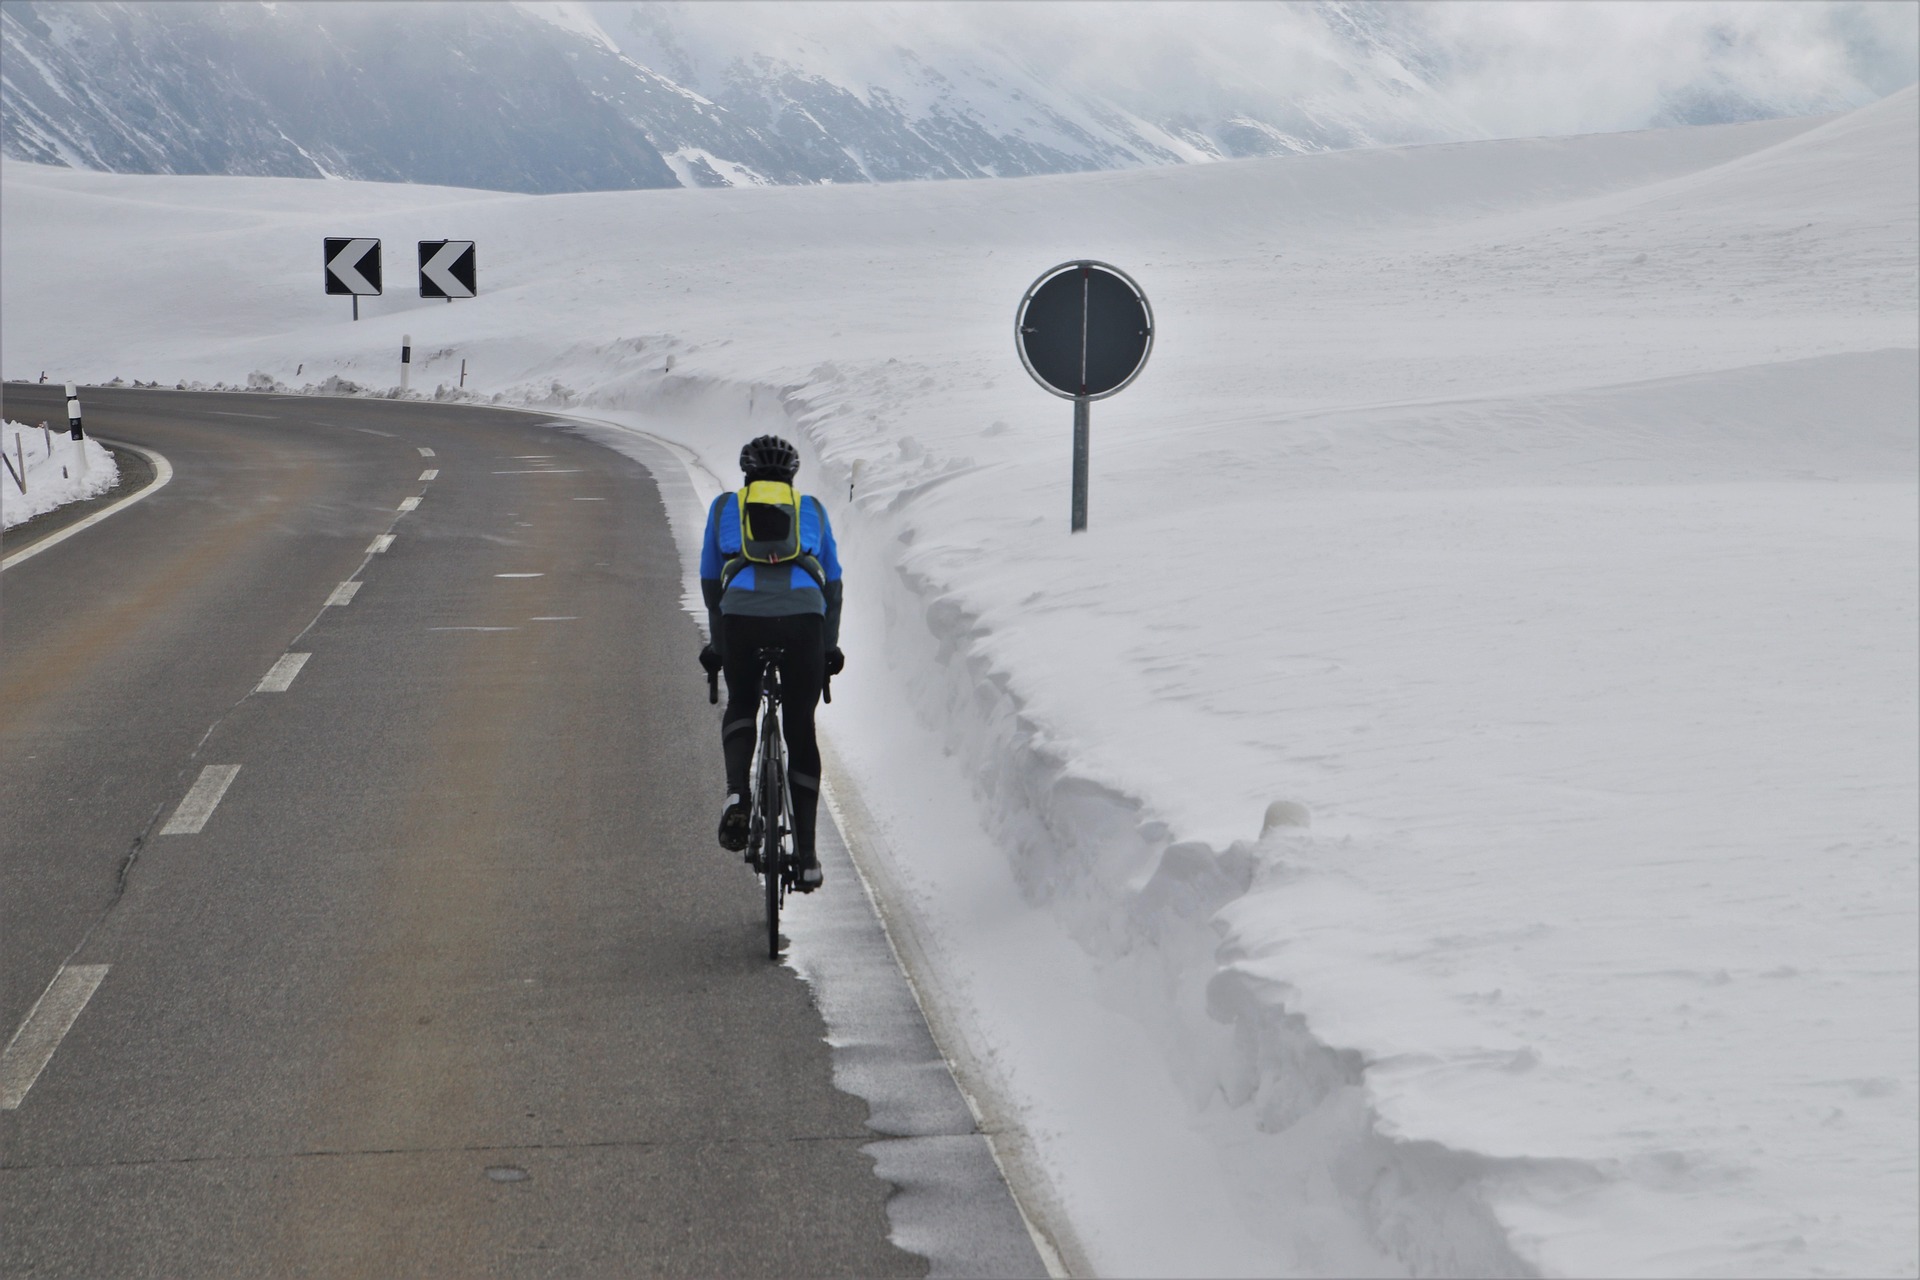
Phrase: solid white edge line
[201,800]
[281,674]
[162,472]
[1018,1170]
[44,1027]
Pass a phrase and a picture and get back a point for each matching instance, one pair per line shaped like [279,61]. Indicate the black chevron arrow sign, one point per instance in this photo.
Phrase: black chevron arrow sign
[353,266]
[447,269]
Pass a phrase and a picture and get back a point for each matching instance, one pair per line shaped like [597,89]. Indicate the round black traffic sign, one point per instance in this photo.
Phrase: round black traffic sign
[1084,330]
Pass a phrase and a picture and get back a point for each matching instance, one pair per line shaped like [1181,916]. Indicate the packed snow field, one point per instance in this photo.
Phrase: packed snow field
[45,470]
[1454,812]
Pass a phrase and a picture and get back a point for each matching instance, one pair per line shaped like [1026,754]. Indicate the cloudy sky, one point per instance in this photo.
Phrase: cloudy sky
[1587,67]
[1500,68]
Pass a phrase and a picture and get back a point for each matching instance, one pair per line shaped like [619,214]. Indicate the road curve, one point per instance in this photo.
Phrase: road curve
[414,955]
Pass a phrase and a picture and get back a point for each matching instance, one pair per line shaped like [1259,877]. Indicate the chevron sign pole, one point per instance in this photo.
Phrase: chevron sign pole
[353,266]
[447,269]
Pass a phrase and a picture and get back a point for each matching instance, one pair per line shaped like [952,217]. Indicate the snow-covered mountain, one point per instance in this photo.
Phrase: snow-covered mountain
[467,95]
[559,95]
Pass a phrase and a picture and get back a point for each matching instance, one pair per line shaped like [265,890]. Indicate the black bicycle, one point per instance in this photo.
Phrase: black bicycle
[770,831]
[770,848]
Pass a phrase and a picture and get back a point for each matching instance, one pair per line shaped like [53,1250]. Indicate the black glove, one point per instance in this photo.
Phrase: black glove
[710,660]
[836,661]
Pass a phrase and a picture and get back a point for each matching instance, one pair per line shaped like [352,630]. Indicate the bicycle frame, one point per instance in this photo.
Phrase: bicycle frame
[771,733]
[769,773]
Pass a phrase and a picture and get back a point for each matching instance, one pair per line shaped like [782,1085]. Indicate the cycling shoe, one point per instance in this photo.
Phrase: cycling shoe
[733,824]
[810,877]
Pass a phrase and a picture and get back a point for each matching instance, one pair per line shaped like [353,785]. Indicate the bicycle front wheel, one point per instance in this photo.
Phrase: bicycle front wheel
[772,866]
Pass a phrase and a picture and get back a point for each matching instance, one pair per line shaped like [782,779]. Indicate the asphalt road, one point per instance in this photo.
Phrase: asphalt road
[452,979]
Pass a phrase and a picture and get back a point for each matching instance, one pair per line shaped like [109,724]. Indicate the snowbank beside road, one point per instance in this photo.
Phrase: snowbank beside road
[45,470]
[1533,519]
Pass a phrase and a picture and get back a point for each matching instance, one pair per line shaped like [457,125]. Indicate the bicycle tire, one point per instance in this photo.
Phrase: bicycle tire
[773,872]
[756,821]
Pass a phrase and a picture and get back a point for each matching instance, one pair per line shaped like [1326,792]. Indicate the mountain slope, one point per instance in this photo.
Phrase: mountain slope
[546,96]
[455,94]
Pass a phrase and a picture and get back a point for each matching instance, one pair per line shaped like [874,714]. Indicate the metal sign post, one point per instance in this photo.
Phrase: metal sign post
[1083,330]
[1082,446]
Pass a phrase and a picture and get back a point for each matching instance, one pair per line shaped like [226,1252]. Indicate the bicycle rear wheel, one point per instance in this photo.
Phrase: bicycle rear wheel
[772,866]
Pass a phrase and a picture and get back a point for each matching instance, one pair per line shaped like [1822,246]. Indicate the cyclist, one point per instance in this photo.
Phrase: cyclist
[770,575]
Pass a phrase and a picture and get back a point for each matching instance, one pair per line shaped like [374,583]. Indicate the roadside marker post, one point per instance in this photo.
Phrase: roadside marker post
[74,429]
[1084,330]
[19,473]
[406,360]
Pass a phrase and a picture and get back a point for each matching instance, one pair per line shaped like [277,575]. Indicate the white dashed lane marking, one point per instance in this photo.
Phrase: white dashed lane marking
[282,673]
[519,575]
[557,617]
[344,593]
[409,504]
[202,798]
[424,451]
[380,544]
[589,499]
[431,473]
[46,1025]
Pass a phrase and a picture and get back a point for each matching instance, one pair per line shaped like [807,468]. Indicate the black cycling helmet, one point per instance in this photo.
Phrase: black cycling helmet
[769,458]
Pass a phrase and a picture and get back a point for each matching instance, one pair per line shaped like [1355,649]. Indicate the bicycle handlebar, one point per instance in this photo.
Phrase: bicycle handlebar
[713,686]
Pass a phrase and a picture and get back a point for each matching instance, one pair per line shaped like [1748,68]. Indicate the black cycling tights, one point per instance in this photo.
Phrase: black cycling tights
[802,672]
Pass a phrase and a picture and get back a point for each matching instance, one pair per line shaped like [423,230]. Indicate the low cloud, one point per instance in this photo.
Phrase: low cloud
[1452,68]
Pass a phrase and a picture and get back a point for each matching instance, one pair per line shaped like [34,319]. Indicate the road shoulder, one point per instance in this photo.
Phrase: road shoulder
[137,474]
